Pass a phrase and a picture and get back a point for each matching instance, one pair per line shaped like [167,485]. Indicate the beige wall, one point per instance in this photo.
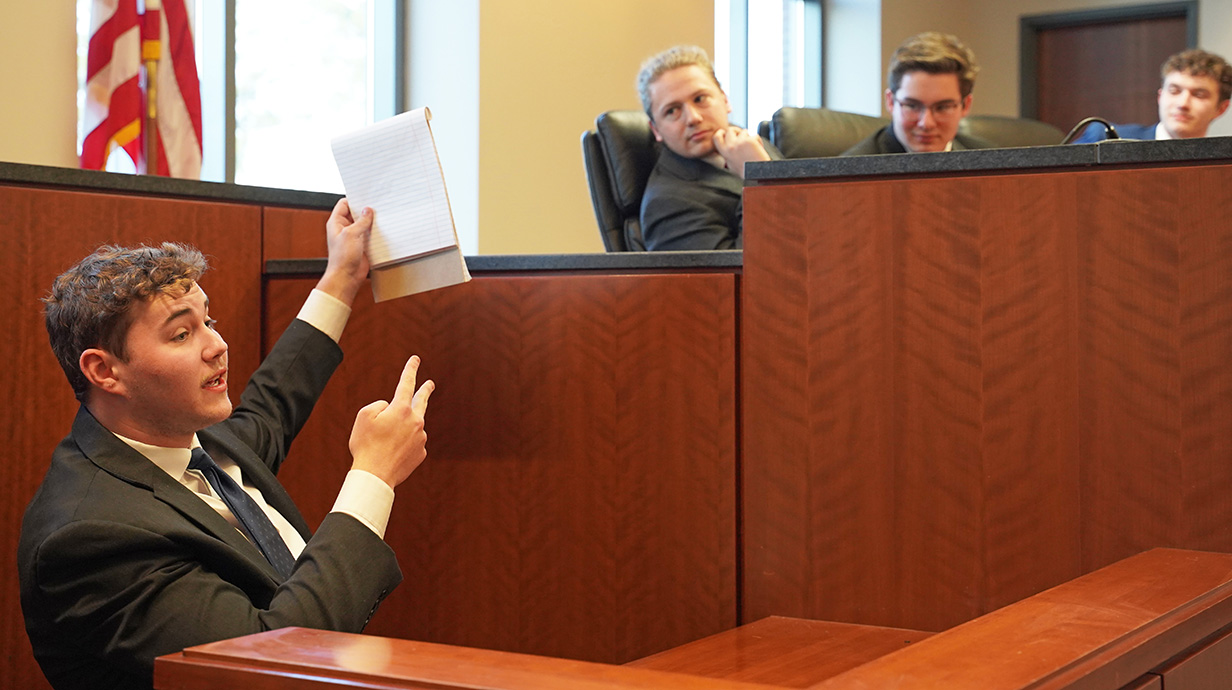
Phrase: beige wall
[547,68]
[38,77]
[903,18]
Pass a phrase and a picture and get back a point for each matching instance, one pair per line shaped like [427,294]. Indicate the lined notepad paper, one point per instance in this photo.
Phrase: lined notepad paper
[392,167]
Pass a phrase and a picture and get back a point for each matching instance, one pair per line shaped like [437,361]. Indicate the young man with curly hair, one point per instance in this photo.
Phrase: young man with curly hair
[160,523]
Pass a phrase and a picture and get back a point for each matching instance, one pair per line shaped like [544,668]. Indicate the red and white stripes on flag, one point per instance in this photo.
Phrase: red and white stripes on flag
[113,88]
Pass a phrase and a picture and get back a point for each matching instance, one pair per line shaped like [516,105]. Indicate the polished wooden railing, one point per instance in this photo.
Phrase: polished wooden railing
[1161,617]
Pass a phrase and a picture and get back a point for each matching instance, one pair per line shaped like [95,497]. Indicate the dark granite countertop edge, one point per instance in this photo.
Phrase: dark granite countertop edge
[724,261]
[94,180]
[1025,160]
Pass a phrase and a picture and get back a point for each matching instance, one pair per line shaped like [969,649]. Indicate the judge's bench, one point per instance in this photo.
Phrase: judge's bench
[897,435]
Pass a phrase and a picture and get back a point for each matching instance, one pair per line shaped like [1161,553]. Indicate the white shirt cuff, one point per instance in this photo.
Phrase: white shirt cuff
[367,498]
[325,313]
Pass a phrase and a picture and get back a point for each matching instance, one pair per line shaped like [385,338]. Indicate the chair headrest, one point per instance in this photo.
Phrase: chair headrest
[630,152]
[820,132]
[1008,132]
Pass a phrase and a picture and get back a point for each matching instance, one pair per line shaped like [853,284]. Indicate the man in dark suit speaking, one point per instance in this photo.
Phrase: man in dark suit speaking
[160,523]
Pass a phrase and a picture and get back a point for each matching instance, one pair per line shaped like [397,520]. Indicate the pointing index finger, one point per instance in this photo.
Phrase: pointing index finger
[406,384]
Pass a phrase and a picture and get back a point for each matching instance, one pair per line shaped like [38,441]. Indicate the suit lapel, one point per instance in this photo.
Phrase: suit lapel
[702,173]
[890,143]
[115,457]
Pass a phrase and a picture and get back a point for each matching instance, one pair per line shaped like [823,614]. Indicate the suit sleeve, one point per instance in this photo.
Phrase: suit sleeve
[282,392]
[867,147]
[677,219]
[1094,132]
[130,594]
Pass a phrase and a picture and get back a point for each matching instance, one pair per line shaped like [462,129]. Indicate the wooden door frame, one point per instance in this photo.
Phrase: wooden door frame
[1030,26]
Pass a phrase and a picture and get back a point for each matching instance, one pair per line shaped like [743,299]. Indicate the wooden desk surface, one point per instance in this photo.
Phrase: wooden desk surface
[1103,630]
[785,652]
[297,658]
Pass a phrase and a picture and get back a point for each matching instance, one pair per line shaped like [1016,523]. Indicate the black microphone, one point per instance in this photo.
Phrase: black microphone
[1109,131]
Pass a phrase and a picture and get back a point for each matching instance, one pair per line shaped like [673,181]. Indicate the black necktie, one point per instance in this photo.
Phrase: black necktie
[253,520]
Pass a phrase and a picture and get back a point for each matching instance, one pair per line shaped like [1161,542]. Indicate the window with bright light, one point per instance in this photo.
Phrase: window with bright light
[301,71]
[304,71]
[768,55]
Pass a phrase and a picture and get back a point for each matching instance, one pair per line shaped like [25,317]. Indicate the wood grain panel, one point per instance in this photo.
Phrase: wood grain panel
[293,233]
[1207,667]
[1106,629]
[1029,357]
[991,384]
[775,420]
[936,403]
[849,511]
[1206,344]
[1149,681]
[893,414]
[785,652]
[1129,395]
[300,659]
[45,232]
[579,496]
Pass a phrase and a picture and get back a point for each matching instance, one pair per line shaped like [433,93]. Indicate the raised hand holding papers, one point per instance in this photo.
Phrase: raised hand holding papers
[392,167]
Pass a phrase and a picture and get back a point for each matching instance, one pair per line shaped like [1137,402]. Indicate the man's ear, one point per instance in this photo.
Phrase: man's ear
[966,105]
[655,131]
[889,101]
[99,368]
[1221,108]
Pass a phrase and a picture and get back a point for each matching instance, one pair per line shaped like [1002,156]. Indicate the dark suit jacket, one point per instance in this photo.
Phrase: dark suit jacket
[119,563]
[690,204]
[1096,132]
[884,141]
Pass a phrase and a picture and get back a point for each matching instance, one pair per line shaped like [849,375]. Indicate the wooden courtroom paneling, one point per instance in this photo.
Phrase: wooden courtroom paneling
[1207,667]
[959,391]
[1113,628]
[578,499]
[294,233]
[45,232]
[1159,614]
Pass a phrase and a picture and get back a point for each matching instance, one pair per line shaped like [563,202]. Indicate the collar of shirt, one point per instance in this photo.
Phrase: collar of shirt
[1161,134]
[173,461]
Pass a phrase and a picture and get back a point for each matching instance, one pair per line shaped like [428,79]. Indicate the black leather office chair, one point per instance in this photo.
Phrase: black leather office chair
[619,155]
[1009,132]
[820,132]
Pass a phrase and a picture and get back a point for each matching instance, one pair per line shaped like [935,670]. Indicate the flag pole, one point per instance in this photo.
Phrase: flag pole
[151,34]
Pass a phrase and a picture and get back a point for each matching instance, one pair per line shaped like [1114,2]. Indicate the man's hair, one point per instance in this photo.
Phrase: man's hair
[91,304]
[1199,63]
[935,53]
[670,59]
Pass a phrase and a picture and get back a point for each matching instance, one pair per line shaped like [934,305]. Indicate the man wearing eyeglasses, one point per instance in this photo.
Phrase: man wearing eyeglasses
[930,81]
